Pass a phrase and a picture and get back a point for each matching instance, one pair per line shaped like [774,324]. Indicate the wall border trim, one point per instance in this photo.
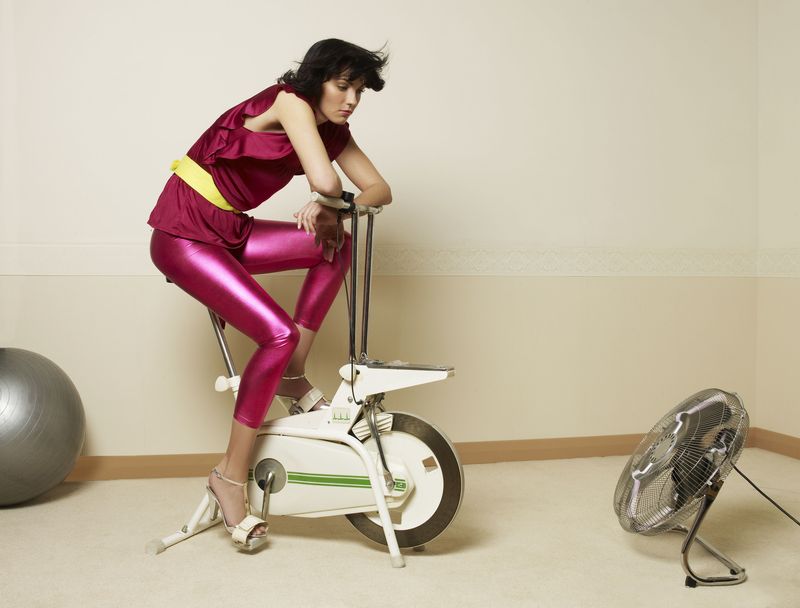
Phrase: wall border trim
[133,259]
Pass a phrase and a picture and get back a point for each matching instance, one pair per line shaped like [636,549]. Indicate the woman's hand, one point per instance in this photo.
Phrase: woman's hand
[332,239]
[313,215]
[322,222]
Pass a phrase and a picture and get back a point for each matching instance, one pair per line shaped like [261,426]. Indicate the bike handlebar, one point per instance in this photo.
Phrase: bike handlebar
[344,203]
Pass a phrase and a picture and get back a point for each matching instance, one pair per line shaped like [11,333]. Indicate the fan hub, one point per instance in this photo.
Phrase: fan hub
[663,447]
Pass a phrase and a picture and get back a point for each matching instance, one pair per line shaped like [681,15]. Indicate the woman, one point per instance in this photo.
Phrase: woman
[205,244]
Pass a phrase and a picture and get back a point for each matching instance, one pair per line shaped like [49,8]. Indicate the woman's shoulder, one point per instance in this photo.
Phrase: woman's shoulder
[259,103]
[264,100]
[229,138]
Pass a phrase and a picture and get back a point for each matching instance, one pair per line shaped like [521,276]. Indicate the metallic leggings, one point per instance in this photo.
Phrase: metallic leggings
[221,279]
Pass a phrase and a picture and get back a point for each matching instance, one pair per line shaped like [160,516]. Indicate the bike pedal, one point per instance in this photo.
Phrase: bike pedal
[361,428]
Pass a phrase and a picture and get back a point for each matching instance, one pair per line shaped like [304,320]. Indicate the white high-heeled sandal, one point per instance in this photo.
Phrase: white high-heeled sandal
[305,403]
[242,533]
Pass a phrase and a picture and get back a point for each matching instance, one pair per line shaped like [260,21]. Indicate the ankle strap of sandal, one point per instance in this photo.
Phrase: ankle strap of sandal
[223,478]
[293,377]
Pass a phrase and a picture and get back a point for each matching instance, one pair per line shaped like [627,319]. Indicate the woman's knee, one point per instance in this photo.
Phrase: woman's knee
[281,335]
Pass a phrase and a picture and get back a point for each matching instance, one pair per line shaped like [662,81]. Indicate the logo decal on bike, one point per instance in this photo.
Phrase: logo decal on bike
[340,414]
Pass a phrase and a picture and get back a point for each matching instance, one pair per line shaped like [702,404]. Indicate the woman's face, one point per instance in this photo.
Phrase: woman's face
[339,99]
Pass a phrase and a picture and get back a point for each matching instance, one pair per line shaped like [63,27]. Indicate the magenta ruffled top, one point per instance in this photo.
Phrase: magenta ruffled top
[248,167]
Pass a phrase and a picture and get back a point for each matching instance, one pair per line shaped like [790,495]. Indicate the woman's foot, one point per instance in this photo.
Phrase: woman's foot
[230,497]
[297,387]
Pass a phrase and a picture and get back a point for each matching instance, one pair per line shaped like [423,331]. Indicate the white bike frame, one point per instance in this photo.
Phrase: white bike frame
[343,454]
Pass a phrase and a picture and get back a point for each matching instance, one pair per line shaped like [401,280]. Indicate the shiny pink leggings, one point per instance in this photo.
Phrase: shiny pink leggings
[221,279]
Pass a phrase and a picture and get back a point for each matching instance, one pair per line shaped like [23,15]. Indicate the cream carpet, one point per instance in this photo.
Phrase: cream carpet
[528,534]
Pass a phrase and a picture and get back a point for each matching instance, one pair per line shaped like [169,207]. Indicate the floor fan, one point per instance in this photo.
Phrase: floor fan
[677,471]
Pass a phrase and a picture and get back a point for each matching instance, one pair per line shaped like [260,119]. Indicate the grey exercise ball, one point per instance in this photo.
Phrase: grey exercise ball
[42,425]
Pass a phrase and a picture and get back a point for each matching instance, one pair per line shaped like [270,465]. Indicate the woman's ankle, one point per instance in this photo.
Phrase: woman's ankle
[294,387]
[228,472]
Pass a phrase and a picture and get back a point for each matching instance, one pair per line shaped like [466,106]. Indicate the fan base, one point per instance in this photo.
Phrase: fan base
[738,574]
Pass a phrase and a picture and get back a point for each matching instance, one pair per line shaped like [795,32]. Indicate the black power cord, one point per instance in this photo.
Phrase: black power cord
[757,489]
[351,331]
[340,239]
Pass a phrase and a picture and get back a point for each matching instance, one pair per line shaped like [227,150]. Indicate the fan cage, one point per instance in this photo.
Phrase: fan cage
[666,477]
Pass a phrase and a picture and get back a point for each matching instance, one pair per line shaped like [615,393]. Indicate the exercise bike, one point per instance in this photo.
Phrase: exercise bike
[396,477]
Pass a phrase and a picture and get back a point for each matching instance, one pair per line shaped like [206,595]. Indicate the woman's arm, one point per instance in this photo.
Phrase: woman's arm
[374,190]
[360,170]
[298,120]
[300,124]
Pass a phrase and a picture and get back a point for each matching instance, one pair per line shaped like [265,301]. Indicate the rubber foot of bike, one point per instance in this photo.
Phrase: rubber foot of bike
[154,547]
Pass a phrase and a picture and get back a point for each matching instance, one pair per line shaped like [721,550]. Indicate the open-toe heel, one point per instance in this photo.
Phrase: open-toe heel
[243,534]
[305,403]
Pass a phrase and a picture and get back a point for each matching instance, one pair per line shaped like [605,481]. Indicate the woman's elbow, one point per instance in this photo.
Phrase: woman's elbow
[329,185]
[388,196]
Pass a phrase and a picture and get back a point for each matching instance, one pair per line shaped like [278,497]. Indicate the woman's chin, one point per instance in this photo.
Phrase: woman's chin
[340,120]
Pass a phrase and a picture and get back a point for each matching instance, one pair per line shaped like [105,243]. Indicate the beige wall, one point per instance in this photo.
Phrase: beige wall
[779,216]
[778,124]
[778,355]
[618,123]
[535,357]
[577,220]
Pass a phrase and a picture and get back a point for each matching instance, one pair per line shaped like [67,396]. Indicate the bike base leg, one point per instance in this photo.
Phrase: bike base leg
[203,518]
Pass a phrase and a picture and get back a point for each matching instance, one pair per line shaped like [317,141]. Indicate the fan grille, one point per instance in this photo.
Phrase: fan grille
[665,479]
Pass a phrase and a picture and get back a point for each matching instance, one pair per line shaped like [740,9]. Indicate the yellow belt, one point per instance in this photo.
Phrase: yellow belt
[201,182]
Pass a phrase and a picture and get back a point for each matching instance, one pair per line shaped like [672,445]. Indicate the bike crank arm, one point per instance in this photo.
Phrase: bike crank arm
[371,407]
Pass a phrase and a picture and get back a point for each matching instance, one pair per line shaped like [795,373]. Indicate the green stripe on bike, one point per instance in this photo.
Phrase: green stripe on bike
[344,481]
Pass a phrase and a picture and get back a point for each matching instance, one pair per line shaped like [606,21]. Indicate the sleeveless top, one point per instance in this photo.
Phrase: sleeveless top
[248,167]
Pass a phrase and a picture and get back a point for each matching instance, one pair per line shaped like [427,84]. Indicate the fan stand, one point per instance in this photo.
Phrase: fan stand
[692,579]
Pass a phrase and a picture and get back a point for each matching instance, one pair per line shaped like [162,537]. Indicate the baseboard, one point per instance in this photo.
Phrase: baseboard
[95,468]
[484,452]
[775,442]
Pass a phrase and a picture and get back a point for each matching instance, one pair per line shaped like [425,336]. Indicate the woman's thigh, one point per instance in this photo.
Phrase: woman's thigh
[212,275]
[275,246]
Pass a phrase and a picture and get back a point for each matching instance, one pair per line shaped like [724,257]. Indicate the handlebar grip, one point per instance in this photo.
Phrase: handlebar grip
[345,203]
[330,201]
